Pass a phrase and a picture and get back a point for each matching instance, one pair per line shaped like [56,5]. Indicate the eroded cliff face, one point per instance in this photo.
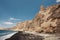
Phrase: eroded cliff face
[23,26]
[47,20]
[50,20]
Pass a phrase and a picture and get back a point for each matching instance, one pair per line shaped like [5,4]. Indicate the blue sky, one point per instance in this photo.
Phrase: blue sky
[13,11]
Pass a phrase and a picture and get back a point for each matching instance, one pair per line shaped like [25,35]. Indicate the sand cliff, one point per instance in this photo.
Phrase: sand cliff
[47,20]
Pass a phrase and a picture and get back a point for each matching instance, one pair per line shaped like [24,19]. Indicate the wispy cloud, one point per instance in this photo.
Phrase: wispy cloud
[0,24]
[57,0]
[8,23]
[14,19]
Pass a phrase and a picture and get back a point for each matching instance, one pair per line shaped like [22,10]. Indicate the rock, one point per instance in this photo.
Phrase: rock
[25,36]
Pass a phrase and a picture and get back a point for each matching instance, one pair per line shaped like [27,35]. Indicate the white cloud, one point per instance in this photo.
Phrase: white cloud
[0,24]
[57,0]
[14,19]
[8,23]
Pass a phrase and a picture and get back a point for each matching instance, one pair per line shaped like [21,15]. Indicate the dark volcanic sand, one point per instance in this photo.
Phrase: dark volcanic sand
[25,36]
